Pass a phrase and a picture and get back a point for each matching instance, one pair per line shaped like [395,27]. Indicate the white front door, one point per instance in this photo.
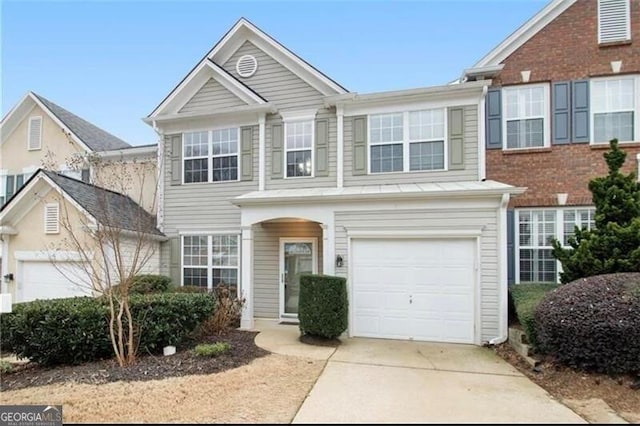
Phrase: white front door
[297,256]
[422,289]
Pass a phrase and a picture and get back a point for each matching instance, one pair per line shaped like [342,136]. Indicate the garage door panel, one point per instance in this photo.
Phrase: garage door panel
[42,280]
[424,289]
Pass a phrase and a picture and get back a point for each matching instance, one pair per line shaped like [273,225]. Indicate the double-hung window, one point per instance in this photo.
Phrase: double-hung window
[534,233]
[211,156]
[210,260]
[299,148]
[407,141]
[613,109]
[525,111]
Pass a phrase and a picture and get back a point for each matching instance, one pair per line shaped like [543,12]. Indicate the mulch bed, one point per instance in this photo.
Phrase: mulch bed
[149,367]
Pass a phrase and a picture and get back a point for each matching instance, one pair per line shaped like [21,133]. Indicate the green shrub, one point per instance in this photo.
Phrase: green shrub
[593,323]
[75,330]
[323,305]
[212,349]
[5,367]
[149,283]
[189,289]
[525,297]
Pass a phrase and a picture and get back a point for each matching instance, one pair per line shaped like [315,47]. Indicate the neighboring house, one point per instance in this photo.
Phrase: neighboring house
[273,170]
[38,133]
[34,234]
[563,85]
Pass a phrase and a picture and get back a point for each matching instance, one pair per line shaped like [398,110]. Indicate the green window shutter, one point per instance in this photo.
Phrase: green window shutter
[174,261]
[561,109]
[10,185]
[359,132]
[86,175]
[246,152]
[580,111]
[322,148]
[175,142]
[277,148]
[493,117]
[456,138]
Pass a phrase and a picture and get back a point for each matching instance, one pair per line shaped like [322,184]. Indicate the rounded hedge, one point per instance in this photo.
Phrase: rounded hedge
[323,305]
[593,323]
[150,283]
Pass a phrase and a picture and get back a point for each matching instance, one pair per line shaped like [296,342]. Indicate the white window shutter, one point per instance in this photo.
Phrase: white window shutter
[52,218]
[613,21]
[35,133]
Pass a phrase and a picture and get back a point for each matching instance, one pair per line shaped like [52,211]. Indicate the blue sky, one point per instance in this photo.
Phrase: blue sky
[112,62]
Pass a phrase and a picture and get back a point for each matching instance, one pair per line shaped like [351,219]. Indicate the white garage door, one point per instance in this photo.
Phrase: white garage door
[420,289]
[41,280]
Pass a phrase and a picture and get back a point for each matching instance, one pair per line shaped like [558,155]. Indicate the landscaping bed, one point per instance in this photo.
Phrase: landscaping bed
[147,367]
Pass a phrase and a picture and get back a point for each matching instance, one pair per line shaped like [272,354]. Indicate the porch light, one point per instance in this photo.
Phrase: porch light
[338,261]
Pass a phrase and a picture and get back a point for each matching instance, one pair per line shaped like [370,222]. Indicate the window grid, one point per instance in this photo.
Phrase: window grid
[225,154]
[196,157]
[613,109]
[208,260]
[582,218]
[211,156]
[408,141]
[524,110]
[299,148]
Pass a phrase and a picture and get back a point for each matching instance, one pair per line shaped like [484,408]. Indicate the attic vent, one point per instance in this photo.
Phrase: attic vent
[247,66]
[51,218]
[35,133]
[613,21]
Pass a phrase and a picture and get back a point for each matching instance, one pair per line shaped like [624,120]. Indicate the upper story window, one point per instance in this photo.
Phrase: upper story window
[614,23]
[407,141]
[210,156]
[525,116]
[613,109]
[34,136]
[299,148]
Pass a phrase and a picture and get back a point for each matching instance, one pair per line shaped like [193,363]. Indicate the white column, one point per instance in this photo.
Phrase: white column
[328,249]
[340,147]
[262,142]
[246,281]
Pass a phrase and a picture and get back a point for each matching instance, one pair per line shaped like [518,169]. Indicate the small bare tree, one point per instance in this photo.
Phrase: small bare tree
[112,238]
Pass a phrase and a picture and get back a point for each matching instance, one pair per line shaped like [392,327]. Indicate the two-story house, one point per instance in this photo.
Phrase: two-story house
[562,85]
[273,170]
[37,133]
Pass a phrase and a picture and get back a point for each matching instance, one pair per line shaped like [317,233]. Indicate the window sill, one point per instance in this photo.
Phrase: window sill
[526,150]
[598,146]
[215,183]
[615,43]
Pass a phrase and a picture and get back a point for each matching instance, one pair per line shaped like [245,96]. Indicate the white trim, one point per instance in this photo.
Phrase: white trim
[47,256]
[246,277]
[627,26]
[51,213]
[340,147]
[482,155]
[123,153]
[312,148]
[198,231]
[635,109]
[638,166]
[417,232]
[254,65]
[519,37]
[503,269]
[408,104]
[210,266]
[7,230]
[299,115]
[262,164]
[546,117]
[314,257]
[29,147]
[210,156]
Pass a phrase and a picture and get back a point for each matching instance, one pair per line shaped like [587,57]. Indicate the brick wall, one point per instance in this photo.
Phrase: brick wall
[566,49]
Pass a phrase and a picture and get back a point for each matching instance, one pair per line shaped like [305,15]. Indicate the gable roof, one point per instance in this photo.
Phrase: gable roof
[107,207]
[89,136]
[520,36]
[242,31]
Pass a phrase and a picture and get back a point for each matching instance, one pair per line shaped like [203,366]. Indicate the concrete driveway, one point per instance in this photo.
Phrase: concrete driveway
[385,381]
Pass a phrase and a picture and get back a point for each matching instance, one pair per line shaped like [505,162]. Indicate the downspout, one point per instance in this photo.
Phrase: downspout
[503,273]
[159,178]
[482,164]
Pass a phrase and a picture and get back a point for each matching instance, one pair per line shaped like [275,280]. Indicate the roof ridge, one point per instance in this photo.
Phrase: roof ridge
[89,184]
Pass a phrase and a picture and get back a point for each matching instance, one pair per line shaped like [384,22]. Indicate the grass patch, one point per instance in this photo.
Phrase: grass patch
[525,298]
[5,367]
[212,349]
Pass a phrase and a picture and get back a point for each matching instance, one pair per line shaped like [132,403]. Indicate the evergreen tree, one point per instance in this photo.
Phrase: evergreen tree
[614,244]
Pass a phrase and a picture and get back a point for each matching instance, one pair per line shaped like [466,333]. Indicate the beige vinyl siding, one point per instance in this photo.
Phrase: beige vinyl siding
[274,82]
[212,96]
[266,261]
[453,218]
[164,260]
[469,173]
[204,206]
[304,182]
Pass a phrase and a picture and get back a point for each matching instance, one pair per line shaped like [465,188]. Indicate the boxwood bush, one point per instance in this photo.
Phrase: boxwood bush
[149,283]
[75,330]
[523,298]
[323,306]
[593,323]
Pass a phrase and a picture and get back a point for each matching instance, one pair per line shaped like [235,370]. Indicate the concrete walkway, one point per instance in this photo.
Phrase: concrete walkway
[387,381]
